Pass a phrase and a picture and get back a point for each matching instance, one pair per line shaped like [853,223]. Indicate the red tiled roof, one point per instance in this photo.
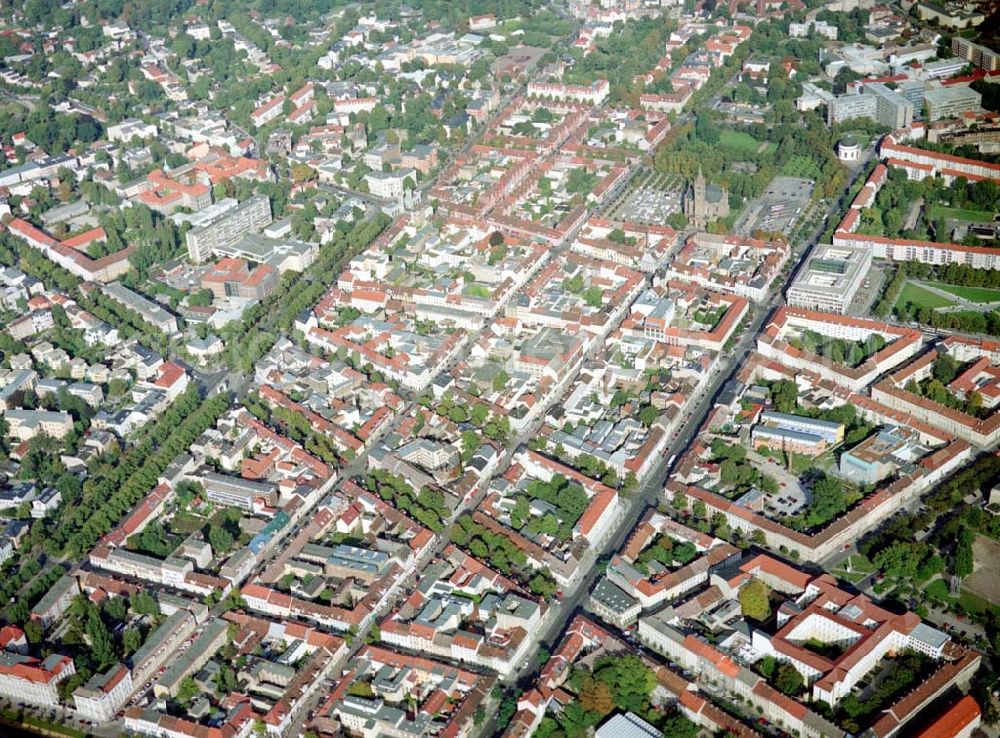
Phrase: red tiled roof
[954,721]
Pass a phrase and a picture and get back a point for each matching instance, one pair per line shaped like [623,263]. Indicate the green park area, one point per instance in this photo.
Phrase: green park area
[801,166]
[966,601]
[741,141]
[972,294]
[920,297]
[854,568]
[974,216]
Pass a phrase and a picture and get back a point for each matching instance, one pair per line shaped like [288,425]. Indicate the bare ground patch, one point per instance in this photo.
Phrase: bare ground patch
[985,578]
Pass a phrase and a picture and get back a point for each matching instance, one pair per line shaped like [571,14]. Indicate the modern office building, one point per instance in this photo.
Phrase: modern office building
[876,101]
[951,102]
[830,278]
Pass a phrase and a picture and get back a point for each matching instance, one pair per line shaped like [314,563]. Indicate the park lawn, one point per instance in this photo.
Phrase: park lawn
[972,294]
[966,314]
[921,297]
[801,166]
[861,567]
[739,141]
[972,603]
[860,562]
[975,216]
[854,577]
[938,590]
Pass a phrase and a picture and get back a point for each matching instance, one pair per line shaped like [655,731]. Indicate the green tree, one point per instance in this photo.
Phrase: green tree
[187,691]
[102,646]
[131,640]
[755,600]
[963,553]
[788,680]
[33,632]
[678,726]
[648,415]
[220,539]
[479,414]
[630,680]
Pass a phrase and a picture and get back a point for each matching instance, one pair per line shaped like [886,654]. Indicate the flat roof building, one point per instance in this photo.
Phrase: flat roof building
[951,102]
[830,278]
[228,227]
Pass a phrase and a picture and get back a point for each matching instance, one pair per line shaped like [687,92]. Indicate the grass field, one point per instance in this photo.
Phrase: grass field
[860,568]
[966,600]
[739,141]
[800,166]
[972,294]
[976,216]
[921,297]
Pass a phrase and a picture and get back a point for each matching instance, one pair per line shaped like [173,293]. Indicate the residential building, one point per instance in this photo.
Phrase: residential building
[228,227]
[56,601]
[151,312]
[26,424]
[391,185]
[104,694]
[27,679]
[977,54]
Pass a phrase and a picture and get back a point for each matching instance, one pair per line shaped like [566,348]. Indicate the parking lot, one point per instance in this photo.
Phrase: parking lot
[778,209]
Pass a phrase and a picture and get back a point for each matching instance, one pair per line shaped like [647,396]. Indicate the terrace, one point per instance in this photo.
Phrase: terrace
[849,351]
[741,266]
[619,135]
[616,421]
[476,183]
[563,186]
[550,512]
[330,407]
[431,449]
[676,313]
[807,487]
[537,125]
[783,637]
[663,560]
[952,386]
[236,671]
[396,349]
[635,245]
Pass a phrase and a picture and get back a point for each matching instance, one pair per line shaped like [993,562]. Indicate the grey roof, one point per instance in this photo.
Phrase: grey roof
[612,596]
[628,725]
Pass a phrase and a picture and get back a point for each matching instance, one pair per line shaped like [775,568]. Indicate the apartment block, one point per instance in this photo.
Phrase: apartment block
[26,424]
[250,216]
[979,55]
[151,312]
